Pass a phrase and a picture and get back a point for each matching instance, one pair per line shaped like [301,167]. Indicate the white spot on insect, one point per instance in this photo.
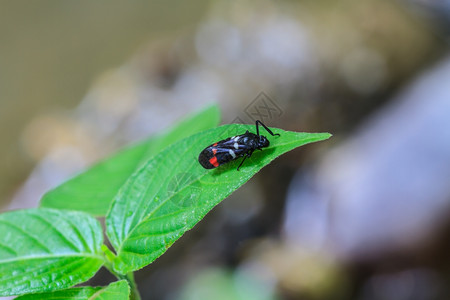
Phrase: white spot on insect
[232,153]
[236,138]
[236,146]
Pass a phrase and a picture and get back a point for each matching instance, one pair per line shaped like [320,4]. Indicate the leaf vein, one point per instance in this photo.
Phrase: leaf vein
[31,237]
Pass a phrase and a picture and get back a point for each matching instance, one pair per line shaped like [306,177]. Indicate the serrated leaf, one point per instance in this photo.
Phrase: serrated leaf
[46,250]
[115,291]
[93,190]
[172,192]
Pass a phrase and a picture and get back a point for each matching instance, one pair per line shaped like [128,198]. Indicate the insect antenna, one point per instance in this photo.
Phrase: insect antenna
[258,122]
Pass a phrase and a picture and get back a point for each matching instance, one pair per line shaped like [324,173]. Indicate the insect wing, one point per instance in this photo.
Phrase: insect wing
[207,159]
[231,148]
[221,153]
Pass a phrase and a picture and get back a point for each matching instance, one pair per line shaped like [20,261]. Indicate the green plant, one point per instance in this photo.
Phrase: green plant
[150,193]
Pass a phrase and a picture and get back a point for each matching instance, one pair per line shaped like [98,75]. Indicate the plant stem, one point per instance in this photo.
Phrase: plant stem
[134,295]
[109,256]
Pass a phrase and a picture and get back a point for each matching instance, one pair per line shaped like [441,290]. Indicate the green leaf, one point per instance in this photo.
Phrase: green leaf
[115,291]
[172,192]
[93,190]
[45,250]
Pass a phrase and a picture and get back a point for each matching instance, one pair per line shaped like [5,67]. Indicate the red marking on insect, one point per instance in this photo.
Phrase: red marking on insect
[213,161]
[214,151]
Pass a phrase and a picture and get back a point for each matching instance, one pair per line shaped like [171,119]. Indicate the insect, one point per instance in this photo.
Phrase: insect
[234,147]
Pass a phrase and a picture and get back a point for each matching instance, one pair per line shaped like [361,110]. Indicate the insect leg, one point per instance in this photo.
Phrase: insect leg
[258,122]
[247,155]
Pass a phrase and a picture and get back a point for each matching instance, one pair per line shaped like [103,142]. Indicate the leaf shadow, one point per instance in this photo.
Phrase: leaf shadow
[232,166]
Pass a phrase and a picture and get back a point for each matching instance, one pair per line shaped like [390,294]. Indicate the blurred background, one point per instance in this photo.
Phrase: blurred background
[364,215]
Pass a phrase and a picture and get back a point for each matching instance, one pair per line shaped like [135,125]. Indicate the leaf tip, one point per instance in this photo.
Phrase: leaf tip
[327,135]
[213,109]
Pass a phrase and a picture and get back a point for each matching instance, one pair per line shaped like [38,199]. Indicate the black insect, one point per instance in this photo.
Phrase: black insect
[231,148]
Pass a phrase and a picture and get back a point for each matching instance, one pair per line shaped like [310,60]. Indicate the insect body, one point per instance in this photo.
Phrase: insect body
[234,147]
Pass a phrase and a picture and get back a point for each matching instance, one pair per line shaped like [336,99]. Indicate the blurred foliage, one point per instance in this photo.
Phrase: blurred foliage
[52,51]
[222,284]
[327,65]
